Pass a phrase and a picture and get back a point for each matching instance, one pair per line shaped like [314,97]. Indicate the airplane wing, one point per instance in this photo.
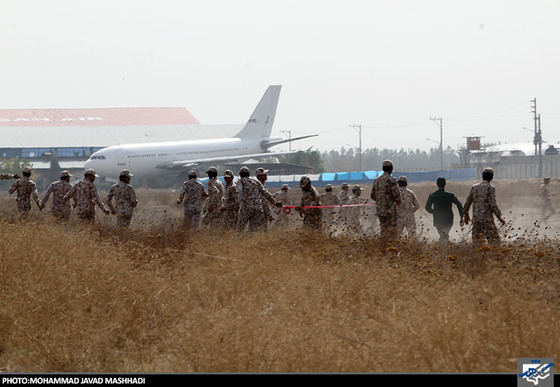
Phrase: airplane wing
[181,164]
[271,143]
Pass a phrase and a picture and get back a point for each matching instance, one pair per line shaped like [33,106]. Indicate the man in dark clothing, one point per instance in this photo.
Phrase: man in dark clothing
[440,204]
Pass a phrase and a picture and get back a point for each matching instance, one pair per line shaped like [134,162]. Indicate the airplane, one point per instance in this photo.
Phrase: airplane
[175,158]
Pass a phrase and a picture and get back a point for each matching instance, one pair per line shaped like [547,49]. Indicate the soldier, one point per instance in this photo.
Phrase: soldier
[213,215]
[262,177]
[329,198]
[26,189]
[355,212]
[344,198]
[230,206]
[283,198]
[312,217]
[405,211]
[249,197]
[482,197]
[385,193]
[546,204]
[59,208]
[86,197]
[192,196]
[440,204]
[125,198]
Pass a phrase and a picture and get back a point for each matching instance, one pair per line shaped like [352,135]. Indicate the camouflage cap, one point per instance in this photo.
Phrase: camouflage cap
[356,187]
[244,170]
[304,181]
[261,171]
[65,174]
[228,173]
[488,170]
[91,172]
[212,169]
[125,172]
[192,173]
[547,178]
[402,178]
[285,187]
[387,163]
[328,186]
[26,170]
[344,185]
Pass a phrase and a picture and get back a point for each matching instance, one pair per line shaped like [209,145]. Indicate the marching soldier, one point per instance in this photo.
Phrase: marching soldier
[213,215]
[249,197]
[482,197]
[354,223]
[312,217]
[192,196]
[546,204]
[230,206]
[26,189]
[405,211]
[60,208]
[344,199]
[283,198]
[385,193]
[262,177]
[125,198]
[86,197]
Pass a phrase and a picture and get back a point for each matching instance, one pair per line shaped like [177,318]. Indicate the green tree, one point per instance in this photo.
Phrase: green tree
[308,158]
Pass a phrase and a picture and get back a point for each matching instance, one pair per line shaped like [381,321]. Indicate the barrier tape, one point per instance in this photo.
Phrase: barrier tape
[288,209]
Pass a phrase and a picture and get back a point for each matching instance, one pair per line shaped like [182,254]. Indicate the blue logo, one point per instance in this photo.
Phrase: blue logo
[535,372]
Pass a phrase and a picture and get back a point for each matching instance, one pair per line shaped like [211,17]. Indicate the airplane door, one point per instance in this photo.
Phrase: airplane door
[121,158]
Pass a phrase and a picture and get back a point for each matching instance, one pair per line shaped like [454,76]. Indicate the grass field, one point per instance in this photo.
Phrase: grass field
[156,299]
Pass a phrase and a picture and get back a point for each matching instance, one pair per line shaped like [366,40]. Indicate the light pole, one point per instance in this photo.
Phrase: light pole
[439,121]
[359,127]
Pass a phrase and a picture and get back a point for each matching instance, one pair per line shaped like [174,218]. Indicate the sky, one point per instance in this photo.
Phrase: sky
[392,67]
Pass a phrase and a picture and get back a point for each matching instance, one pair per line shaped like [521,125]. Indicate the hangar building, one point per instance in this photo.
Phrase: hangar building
[72,135]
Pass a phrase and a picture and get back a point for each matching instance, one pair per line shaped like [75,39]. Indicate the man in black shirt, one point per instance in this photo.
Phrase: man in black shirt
[440,204]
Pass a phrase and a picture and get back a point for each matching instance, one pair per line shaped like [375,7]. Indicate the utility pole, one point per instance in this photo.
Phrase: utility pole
[289,136]
[537,140]
[359,127]
[439,122]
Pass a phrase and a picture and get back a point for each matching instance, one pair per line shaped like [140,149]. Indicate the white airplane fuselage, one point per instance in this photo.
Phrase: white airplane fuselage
[145,160]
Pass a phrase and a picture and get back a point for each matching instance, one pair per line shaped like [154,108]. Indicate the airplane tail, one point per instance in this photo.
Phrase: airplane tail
[260,122]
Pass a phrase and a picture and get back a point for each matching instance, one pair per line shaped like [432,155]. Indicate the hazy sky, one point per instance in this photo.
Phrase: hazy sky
[386,65]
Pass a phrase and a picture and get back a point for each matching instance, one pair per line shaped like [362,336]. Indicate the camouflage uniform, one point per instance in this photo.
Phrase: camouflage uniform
[405,210]
[312,217]
[329,198]
[250,206]
[546,204]
[26,189]
[344,199]
[86,197]
[192,196]
[386,195]
[213,215]
[260,173]
[355,213]
[60,209]
[482,197]
[125,198]
[282,197]
[230,205]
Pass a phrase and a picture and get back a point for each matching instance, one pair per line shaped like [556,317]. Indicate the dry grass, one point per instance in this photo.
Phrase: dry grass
[85,299]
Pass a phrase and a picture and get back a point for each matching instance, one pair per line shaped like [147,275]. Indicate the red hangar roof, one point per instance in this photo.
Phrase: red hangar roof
[96,117]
